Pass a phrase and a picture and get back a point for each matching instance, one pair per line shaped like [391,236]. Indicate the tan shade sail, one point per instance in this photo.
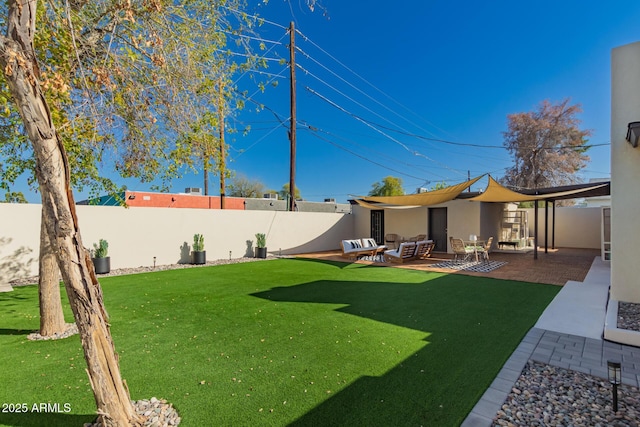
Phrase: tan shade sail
[497,193]
[414,200]
[383,205]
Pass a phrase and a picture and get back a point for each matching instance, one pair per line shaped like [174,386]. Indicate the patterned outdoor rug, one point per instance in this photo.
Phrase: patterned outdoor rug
[479,266]
[375,258]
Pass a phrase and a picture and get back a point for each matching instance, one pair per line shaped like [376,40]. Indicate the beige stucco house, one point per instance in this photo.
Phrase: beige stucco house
[625,195]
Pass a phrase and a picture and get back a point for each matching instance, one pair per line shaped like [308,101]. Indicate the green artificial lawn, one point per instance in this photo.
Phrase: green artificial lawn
[283,342]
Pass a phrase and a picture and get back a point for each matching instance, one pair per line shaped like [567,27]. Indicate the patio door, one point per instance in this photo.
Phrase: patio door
[377,226]
[438,228]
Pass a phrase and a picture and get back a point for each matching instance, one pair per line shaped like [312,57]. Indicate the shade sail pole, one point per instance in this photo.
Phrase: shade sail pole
[535,230]
[553,225]
[546,226]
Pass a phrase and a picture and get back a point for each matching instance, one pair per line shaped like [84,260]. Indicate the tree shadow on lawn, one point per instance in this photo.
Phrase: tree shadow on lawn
[473,324]
[5,331]
[340,264]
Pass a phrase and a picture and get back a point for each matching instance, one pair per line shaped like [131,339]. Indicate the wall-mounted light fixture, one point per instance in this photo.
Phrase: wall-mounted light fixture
[132,196]
[633,133]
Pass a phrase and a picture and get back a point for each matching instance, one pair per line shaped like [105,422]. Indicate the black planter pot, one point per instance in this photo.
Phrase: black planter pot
[102,265]
[199,257]
[261,252]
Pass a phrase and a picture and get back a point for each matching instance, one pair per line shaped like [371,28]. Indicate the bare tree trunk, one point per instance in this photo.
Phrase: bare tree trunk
[51,315]
[19,65]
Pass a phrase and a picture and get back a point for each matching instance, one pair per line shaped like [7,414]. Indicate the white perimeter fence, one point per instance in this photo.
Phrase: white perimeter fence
[137,235]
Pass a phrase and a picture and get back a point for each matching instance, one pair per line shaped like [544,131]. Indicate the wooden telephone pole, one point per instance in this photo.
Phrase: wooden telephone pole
[292,130]
[222,150]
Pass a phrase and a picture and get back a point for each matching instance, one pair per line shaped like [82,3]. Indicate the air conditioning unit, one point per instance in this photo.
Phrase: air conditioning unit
[193,190]
[273,196]
[329,200]
[421,190]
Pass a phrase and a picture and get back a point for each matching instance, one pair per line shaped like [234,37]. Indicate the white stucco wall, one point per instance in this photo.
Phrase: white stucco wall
[625,174]
[576,227]
[403,222]
[136,235]
[463,219]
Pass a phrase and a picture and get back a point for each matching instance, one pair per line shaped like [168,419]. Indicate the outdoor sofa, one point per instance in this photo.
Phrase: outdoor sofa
[354,248]
[409,251]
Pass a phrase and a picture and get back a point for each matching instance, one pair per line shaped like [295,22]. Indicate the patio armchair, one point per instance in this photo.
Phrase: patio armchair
[405,252]
[485,248]
[424,249]
[418,238]
[460,250]
[392,240]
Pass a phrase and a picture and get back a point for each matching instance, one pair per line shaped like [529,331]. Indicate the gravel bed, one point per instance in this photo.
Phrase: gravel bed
[147,269]
[70,330]
[155,412]
[545,395]
[629,316]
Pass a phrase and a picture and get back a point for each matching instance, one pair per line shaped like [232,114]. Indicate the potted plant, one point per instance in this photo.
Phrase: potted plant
[199,254]
[261,245]
[100,258]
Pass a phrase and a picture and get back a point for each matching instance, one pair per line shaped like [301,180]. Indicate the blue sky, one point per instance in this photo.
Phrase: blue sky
[378,81]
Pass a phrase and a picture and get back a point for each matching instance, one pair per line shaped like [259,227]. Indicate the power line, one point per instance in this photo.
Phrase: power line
[372,85]
[362,157]
[315,129]
[279,42]
[244,36]
[254,17]
[383,155]
[415,153]
[354,87]
[345,95]
[278,126]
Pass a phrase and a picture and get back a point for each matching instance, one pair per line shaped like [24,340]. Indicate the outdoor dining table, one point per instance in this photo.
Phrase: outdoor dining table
[475,244]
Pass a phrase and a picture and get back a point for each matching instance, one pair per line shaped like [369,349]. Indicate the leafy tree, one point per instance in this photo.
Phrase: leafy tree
[113,76]
[439,186]
[284,193]
[14,197]
[547,146]
[389,186]
[241,186]
[124,83]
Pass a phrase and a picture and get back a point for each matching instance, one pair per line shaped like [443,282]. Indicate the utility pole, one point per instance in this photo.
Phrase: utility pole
[292,130]
[206,173]
[222,159]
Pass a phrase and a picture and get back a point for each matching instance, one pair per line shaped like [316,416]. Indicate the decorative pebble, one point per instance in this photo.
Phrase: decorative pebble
[629,316]
[70,330]
[147,269]
[590,403]
[164,414]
